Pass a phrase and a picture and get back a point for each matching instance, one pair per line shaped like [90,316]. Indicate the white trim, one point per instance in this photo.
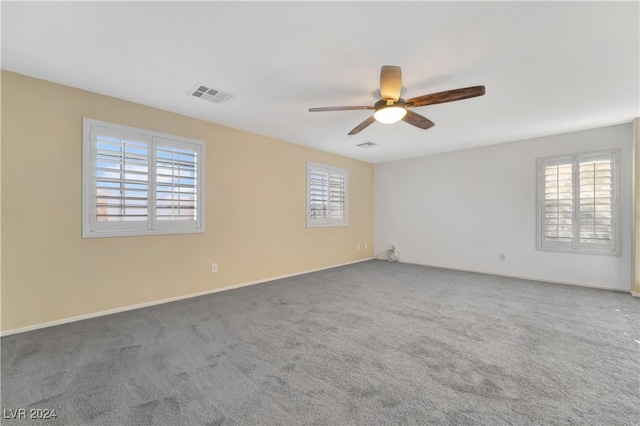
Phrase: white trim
[521,277]
[162,301]
[634,294]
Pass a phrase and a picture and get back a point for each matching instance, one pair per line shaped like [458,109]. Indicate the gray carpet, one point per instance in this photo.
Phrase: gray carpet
[370,343]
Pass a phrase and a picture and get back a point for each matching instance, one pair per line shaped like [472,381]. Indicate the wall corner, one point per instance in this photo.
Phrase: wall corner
[635,206]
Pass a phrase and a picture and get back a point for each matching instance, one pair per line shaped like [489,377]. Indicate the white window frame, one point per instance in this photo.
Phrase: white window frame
[328,221]
[575,245]
[92,228]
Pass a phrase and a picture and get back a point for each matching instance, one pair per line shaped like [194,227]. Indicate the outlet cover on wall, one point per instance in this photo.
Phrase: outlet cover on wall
[214,267]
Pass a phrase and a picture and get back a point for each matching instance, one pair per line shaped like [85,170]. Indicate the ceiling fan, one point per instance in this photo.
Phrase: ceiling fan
[392,108]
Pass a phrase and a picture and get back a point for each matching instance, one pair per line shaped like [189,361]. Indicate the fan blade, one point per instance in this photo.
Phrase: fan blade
[366,123]
[447,96]
[390,82]
[417,120]
[339,108]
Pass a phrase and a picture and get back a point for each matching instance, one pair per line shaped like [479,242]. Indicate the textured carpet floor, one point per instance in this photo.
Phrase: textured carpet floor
[370,343]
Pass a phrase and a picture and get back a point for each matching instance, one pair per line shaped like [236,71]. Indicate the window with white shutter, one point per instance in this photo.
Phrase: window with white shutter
[327,203]
[139,182]
[577,203]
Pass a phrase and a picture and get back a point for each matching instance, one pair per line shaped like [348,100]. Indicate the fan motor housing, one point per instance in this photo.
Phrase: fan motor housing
[381,104]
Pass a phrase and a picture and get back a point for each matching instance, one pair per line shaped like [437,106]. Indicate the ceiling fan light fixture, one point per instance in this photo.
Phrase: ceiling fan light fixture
[390,114]
[392,108]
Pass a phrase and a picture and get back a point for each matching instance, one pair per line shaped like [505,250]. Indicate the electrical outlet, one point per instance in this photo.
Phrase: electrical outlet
[366,246]
[214,267]
[358,246]
[503,257]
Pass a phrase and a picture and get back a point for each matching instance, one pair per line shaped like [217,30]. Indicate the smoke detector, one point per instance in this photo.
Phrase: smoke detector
[216,96]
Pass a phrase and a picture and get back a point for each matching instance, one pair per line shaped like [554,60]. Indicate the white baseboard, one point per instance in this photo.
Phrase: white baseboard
[171,299]
[544,280]
[634,294]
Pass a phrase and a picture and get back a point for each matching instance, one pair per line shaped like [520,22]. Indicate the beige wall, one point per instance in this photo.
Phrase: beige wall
[255,217]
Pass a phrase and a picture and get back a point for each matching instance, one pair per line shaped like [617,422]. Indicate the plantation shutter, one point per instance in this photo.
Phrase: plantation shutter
[578,203]
[176,194]
[318,195]
[337,196]
[327,203]
[120,167]
[557,220]
[139,182]
[596,201]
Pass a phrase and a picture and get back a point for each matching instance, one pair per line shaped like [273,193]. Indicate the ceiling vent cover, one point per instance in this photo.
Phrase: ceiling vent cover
[367,145]
[216,96]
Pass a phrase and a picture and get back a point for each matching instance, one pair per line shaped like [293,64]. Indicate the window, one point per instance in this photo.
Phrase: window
[577,203]
[326,196]
[139,182]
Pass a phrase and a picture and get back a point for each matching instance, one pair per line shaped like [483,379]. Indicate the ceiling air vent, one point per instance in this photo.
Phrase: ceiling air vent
[367,145]
[208,94]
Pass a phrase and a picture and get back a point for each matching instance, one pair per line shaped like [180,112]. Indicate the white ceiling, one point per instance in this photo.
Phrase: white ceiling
[548,67]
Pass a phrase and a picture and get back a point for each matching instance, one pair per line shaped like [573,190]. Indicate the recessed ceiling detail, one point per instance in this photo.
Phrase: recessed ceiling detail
[216,96]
